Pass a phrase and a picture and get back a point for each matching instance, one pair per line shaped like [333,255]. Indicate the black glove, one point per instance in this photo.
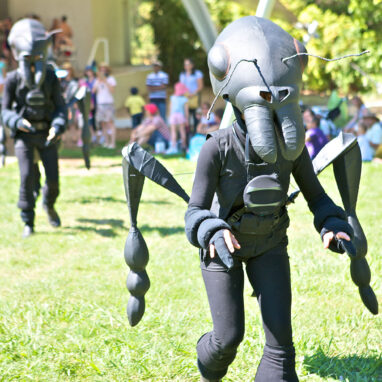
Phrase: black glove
[22,125]
[335,225]
[58,131]
[221,248]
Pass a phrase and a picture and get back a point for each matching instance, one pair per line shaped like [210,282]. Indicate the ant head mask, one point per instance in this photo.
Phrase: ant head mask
[29,42]
[247,68]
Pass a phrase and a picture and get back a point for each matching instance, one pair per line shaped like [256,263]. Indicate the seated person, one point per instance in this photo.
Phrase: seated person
[357,109]
[374,130]
[153,129]
[366,150]
[315,139]
[325,124]
[197,141]
[204,124]
[218,116]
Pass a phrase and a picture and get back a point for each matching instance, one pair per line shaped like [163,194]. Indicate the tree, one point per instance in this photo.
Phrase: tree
[344,26]
[176,37]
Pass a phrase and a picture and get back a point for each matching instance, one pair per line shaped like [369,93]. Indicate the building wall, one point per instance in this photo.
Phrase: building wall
[89,19]
[79,18]
[127,78]
[108,20]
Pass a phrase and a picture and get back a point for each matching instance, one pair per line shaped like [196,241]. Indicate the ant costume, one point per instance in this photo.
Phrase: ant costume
[241,184]
[35,112]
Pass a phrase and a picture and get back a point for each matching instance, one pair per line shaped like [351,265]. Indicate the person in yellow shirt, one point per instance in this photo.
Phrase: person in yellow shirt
[134,104]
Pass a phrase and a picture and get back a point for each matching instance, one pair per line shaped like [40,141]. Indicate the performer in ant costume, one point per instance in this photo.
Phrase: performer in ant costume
[237,212]
[35,112]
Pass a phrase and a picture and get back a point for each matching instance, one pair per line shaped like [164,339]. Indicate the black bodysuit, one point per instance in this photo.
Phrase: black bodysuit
[220,179]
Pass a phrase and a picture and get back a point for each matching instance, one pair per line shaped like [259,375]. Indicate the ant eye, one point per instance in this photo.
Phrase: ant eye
[283,94]
[266,95]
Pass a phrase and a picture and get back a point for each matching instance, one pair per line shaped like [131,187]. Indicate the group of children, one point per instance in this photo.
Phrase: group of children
[365,125]
[101,84]
[148,127]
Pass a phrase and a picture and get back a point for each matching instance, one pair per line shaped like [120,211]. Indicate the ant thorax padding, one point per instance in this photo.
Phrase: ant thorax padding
[246,68]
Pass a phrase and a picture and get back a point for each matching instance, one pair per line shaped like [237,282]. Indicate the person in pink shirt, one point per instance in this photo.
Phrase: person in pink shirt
[178,117]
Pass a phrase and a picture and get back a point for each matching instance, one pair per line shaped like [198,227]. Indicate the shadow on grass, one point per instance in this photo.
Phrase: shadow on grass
[73,230]
[163,231]
[112,199]
[115,224]
[95,151]
[161,202]
[99,151]
[105,232]
[112,222]
[352,367]
[96,199]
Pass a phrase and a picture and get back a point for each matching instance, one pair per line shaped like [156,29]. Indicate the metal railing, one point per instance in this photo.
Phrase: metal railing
[93,52]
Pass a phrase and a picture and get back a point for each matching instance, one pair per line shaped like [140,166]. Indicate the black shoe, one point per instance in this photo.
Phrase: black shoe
[53,217]
[27,231]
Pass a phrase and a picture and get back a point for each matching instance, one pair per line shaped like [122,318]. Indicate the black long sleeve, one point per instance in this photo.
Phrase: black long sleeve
[307,180]
[60,110]
[206,176]
[327,215]
[9,116]
[201,224]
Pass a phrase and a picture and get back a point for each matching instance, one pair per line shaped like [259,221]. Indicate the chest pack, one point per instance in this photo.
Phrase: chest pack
[34,102]
[264,198]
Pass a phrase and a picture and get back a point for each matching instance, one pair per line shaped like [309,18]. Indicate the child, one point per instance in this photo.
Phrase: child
[178,117]
[152,130]
[134,105]
[364,145]
[315,139]
[205,124]
[104,88]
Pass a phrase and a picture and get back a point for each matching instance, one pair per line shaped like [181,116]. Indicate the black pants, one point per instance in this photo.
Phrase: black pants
[269,275]
[193,121]
[161,104]
[25,145]
[136,119]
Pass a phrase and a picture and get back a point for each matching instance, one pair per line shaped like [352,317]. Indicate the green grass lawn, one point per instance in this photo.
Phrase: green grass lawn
[63,294]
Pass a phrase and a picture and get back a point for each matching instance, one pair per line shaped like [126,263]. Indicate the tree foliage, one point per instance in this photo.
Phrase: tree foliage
[344,26]
[176,37]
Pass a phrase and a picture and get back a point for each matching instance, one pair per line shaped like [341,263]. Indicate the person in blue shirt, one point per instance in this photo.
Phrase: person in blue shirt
[193,80]
[157,83]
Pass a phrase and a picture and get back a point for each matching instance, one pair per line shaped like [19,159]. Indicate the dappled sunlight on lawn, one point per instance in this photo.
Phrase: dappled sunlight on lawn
[63,293]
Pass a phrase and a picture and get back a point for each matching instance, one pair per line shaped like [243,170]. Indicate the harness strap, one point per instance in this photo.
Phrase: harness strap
[249,165]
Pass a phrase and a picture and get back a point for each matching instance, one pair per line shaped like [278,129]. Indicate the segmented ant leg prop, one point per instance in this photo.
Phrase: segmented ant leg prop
[135,252]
